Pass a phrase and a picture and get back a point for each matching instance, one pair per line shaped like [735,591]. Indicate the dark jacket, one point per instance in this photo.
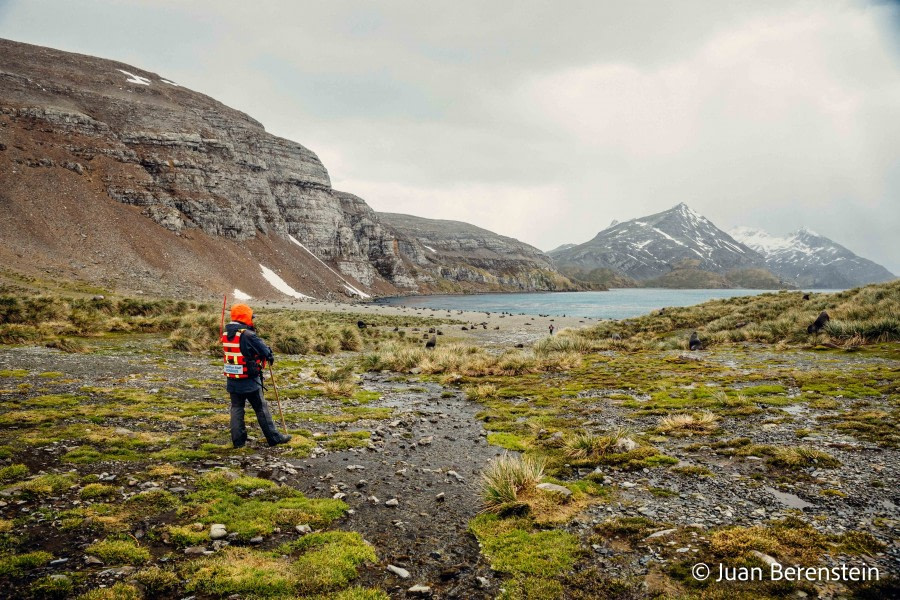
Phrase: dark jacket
[252,348]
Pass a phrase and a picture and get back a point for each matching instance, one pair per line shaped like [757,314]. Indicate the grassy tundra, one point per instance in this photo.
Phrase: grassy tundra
[627,459]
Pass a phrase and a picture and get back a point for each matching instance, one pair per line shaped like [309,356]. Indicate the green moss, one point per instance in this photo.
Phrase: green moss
[92,491]
[512,547]
[48,588]
[510,441]
[118,591]
[17,565]
[532,588]
[13,372]
[157,581]
[242,571]
[344,440]
[359,593]
[13,473]
[330,560]
[249,506]
[46,485]
[119,552]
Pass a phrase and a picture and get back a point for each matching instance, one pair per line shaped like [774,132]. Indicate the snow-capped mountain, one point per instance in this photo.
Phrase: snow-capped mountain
[653,246]
[811,260]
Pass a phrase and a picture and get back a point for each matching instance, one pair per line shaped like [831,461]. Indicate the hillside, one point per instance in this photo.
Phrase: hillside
[458,256]
[122,178]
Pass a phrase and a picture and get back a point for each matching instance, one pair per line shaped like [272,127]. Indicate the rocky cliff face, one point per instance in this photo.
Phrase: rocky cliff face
[456,256]
[203,175]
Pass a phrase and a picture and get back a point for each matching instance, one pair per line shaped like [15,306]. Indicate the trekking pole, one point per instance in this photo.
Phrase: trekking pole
[222,324]
[277,400]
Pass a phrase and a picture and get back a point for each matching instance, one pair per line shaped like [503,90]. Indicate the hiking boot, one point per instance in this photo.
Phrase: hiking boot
[284,439]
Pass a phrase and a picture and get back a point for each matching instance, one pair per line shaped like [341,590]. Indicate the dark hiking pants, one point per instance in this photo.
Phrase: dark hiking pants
[261,408]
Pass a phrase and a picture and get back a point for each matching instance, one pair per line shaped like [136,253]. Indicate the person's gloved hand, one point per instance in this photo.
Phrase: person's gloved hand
[270,359]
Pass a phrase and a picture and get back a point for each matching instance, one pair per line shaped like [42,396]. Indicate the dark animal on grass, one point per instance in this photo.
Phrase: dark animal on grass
[694,342]
[361,324]
[431,343]
[819,324]
[806,296]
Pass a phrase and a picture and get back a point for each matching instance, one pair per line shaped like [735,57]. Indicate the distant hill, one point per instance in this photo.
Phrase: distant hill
[812,260]
[453,256]
[674,248]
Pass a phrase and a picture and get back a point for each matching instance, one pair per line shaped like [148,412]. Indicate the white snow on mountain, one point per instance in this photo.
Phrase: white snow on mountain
[281,285]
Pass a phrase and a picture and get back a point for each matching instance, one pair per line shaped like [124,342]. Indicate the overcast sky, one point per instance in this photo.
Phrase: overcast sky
[546,120]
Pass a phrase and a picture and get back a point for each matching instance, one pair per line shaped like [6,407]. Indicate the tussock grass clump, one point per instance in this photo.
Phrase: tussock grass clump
[688,424]
[337,389]
[592,446]
[564,342]
[507,477]
[482,391]
[800,457]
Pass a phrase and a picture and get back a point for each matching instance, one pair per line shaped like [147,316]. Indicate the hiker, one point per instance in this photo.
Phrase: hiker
[246,357]
[552,328]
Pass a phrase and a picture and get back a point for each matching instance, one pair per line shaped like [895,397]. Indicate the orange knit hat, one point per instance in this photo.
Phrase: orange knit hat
[242,313]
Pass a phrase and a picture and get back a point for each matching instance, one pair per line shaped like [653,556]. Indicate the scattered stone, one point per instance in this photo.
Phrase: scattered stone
[58,561]
[554,488]
[419,590]
[92,560]
[303,529]
[425,441]
[217,531]
[627,484]
[392,502]
[398,571]
[256,540]
[764,557]
[195,550]
[659,534]
[440,497]
[456,475]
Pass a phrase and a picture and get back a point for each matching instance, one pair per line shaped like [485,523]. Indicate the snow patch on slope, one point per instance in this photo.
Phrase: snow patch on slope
[239,295]
[132,78]
[281,285]
[347,285]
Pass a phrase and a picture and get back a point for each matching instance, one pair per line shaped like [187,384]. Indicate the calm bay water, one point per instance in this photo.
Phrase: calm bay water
[614,304]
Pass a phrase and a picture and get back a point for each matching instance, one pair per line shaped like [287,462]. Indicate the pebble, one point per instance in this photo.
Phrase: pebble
[440,497]
[256,540]
[303,529]
[194,550]
[217,531]
[398,571]
[419,590]
[392,502]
